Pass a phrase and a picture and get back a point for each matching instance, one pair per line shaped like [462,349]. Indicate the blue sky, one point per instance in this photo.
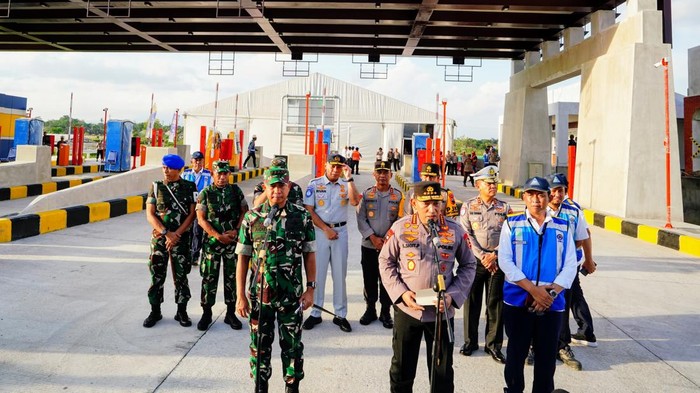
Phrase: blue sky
[124,82]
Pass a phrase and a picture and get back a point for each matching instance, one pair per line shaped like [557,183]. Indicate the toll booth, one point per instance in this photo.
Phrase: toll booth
[28,132]
[118,148]
[420,154]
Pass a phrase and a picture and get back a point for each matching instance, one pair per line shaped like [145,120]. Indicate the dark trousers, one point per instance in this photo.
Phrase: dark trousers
[197,233]
[577,303]
[523,327]
[493,284]
[396,164]
[100,154]
[250,155]
[467,177]
[408,333]
[374,289]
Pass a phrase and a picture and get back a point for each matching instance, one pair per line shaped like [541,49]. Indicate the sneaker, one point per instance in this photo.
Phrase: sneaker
[581,339]
[530,357]
[566,355]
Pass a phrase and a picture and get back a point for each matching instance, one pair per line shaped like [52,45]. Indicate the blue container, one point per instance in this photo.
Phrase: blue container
[118,148]
[420,142]
[28,131]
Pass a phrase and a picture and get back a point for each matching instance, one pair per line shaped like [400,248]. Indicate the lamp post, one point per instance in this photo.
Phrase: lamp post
[104,132]
[667,142]
[29,112]
[177,116]
[443,161]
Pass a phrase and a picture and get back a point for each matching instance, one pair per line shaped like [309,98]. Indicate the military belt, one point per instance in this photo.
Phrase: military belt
[336,225]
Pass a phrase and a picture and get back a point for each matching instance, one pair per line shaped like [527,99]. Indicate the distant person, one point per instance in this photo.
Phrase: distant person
[493,156]
[397,160]
[390,157]
[379,155]
[62,141]
[467,169]
[572,140]
[100,150]
[356,156]
[251,153]
[201,177]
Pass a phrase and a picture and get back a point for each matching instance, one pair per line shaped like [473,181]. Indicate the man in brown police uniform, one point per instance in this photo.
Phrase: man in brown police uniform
[431,172]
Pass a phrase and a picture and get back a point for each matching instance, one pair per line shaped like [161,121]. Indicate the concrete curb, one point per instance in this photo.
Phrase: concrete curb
[659,236]
[20,227]
[18,192]
[58,171]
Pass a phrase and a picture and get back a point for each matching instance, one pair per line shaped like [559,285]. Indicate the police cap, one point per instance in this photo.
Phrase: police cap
[382,166]
[427,191]
[197,155]
[336,159]
[430,169]
[487,174]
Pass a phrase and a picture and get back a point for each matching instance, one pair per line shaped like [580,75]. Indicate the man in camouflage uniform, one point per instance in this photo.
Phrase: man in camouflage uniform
[220,210]
[431,172]
[296,195]
[379,207]
[279,240]
[170,211]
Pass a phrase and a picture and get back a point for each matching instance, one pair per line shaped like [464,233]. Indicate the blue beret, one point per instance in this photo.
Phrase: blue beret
[173,161]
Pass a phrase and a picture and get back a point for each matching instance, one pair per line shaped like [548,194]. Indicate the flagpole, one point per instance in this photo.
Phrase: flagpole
[149,126]
[216,104]
[70,117]
[177,116]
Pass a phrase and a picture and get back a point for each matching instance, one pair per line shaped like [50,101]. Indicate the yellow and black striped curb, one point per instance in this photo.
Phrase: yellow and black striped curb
[76,170]
[18,192]
[659,236]
[20,227]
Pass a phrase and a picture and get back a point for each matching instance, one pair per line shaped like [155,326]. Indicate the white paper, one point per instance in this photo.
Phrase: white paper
[426,297]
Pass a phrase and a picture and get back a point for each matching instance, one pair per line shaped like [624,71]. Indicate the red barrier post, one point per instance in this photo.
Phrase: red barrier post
[81,141]
[203,139]
[74,158]
[240,148]
[153,137]
[571,172]
[160,137]
[143,155]
[667,145]
[318,154]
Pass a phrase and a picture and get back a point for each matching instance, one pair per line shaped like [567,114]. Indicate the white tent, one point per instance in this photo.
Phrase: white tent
[276,115]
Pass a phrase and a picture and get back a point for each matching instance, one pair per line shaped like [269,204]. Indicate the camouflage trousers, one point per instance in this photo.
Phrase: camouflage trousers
[212,259]
[289,329]
[181,263]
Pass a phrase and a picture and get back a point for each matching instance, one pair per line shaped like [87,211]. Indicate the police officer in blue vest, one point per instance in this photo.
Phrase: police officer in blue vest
[537,255]
[201,177]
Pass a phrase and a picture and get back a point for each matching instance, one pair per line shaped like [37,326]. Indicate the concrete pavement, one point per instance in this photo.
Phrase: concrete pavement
[74,300]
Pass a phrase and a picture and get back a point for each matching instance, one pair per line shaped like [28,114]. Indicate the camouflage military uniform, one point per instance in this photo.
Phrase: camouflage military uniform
[172,216]
[281,255]
[222,207]
[296,195]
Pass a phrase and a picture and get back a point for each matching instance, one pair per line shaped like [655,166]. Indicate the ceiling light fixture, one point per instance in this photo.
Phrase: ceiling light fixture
[505,8]
[44,5]
[106,33]
[171,19]
[148,4]
[376,21]
[78,20]
[377,5]
[190,32]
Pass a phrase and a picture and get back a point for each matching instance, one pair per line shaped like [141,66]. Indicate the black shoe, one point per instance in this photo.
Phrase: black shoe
[385,319]
[262,388]
[496,354]
[566,355]
[182,316]
[580,338]
[369,316]
[310,322]
[152,318]
[467,350]
[206,319]
[343,323]
[232,321]
[530,357]
[292,388]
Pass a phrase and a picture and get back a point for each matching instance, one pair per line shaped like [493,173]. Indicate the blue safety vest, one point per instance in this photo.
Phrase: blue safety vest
[571,214]
[539,257]
[204,178]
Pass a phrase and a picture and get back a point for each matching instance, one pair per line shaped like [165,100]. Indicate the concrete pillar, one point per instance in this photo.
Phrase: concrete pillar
[620,166]
[634,6]
[517,66]
[526,135]
[694,71]
[561,112]
[572,36]
[532,58]
[549,49]
[601,20]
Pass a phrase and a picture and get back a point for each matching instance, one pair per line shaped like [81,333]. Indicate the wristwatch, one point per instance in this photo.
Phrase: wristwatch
[350,180]
[553,293]
[311,284]
[164,231]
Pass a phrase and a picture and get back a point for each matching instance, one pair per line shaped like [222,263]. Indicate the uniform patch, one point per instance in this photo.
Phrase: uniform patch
[463,210]
[321,202]
[443,267]
[411,254]
[343,202]
[411,265]
[475,226]
[408,238]
[389,234]
[370,214]
[560,237]
[444,255]
[309,192]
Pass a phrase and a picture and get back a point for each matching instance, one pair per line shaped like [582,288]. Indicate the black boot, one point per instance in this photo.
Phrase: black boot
[153,317]
[231,319]
[292,388]
[182,316]
[369,316]
[385,318]
[262,388]
[206,319]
